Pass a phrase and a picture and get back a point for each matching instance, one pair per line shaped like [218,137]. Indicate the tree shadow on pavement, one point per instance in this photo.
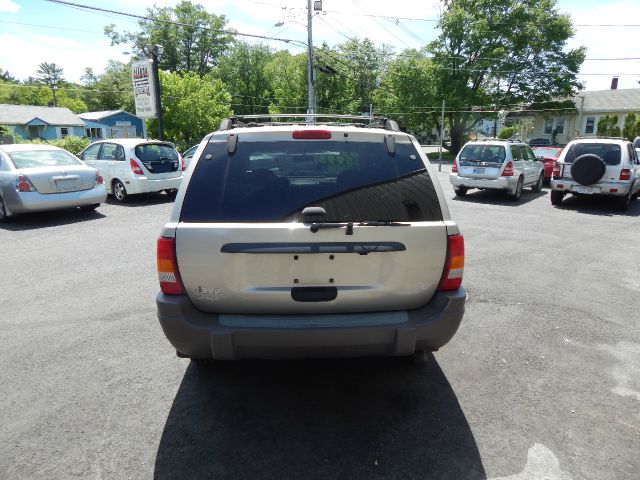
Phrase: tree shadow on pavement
[360,418]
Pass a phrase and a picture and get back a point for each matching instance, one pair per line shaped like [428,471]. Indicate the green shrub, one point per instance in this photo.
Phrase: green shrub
[71,144]
[506,133]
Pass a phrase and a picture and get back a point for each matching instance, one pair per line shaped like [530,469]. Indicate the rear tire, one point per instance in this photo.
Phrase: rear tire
[89,208]
[420,357]
[515,196]
[623,203]
[538,186]
[4,216]
[556,197]
[119,191]
[171,192]
[460,191]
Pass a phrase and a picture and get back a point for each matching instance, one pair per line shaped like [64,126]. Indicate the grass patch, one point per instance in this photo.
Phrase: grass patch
[447,157]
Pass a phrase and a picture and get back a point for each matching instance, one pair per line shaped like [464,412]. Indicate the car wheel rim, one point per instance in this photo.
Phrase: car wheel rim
[119,191]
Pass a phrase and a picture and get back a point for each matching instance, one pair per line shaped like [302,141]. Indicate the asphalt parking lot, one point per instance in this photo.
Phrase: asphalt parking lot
[541,382]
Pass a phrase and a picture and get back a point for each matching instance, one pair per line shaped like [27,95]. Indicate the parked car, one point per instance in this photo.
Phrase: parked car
[131,166]
[540,142]
[43,177]
[604,167]
[297,240]
[187,156]
[496,165]
[549,157]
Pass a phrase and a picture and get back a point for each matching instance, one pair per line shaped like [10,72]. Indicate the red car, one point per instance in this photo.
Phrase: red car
[550,155]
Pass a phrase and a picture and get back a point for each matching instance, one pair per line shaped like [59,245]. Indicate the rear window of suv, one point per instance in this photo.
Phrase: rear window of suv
[274,181]
[609,152]
[475,153]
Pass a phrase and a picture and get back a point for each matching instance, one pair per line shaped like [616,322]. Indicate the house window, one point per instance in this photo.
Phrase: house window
[64,132]
[548,126]
[94,132]
[559,126]
[591,123]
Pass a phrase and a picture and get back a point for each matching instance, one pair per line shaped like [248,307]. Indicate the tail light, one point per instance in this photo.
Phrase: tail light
[24,184]
[454,266]
[135,168]
[625,174]
[556,170]
[454,167]
[508,170]
[99,179]
[182,163]
[168,274]
[312,134]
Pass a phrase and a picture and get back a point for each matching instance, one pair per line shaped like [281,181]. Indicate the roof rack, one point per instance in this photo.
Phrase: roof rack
[496,139]
[364,121]
[599,137]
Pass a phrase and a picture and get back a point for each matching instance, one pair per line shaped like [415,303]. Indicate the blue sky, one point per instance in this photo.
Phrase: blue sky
[73,38]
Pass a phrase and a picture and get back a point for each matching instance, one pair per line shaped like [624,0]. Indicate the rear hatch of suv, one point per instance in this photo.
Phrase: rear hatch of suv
[589,171]
[159,160]
[371,238]
[481,160]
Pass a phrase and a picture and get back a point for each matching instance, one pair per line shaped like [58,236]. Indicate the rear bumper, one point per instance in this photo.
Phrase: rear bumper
[146,185]
[569,186]
[502,183]
[202,335]
[25,202]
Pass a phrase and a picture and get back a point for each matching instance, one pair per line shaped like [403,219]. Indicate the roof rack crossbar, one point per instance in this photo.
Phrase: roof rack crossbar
[254,120]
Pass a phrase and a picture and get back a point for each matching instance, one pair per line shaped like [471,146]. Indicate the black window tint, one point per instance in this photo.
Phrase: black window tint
[150,152]
[609,152]
[529,154]
[471,154]
[275,181]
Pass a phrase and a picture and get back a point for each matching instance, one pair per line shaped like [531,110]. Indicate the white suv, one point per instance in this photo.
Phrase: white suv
[132,165]
[607,167]
[496,165]
[309,239]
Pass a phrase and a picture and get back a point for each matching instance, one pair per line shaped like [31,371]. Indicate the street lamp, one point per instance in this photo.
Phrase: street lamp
[155,52]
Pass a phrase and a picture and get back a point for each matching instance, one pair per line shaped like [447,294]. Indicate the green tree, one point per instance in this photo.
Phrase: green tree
[287,75]
[242,70]
[111,90]
[497,53]
[51,75]
[192,107]
[193,39]
[631,129]
[406,88]
[608,126]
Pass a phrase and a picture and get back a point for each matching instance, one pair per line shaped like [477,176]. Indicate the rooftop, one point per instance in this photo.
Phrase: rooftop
[23,114]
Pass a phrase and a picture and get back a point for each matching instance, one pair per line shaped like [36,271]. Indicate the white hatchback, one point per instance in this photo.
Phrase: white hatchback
[132,165]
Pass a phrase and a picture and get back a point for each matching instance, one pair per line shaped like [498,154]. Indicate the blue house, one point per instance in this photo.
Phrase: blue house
[46,123]
[112,124]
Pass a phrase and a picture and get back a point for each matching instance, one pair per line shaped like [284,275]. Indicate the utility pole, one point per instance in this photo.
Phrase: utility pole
[441,137]
[311,109]
[155,51]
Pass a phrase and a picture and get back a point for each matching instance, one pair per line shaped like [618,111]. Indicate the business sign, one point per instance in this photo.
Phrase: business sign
[123,123]
[144,92]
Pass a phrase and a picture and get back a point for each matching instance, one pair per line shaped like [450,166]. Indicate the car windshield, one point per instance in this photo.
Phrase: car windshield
[475,153]
[546,152]
[43,158]
[149,152]
[274,181]
[609,152]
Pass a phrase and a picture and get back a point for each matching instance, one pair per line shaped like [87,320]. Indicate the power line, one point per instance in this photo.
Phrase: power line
[170,22]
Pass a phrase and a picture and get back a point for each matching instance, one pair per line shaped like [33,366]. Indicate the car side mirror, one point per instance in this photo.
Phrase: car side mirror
[540,159]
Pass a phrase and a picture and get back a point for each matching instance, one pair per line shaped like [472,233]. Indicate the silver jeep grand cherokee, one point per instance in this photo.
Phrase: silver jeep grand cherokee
[296,239]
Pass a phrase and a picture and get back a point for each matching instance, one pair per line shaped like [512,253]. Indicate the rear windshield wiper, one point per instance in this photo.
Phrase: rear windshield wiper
[349,225]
